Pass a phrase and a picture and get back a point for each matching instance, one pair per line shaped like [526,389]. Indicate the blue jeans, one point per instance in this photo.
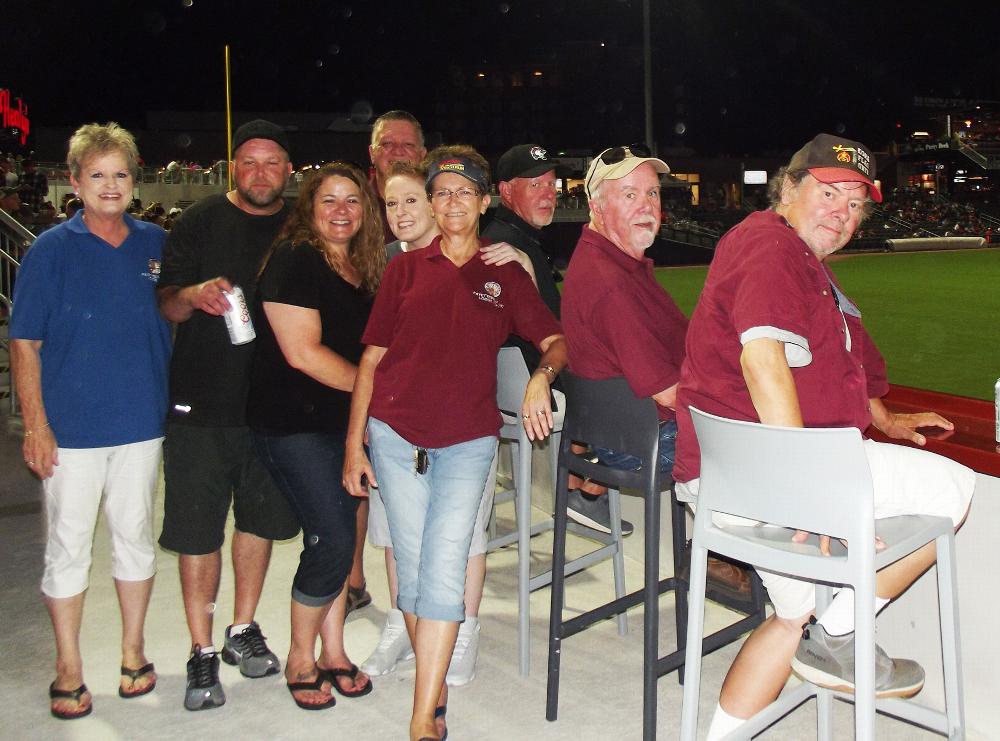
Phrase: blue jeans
[431,516]
[308,468]
[627,462]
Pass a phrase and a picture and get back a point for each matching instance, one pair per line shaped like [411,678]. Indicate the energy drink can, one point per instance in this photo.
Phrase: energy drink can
[238,320]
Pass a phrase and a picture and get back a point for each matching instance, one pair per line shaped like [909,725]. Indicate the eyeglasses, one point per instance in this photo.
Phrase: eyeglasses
[614,155]
[463,194]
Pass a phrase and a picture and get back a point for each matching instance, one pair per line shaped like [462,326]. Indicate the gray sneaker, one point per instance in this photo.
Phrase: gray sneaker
[204,690]
[828,661]
[595,514]
[248,649]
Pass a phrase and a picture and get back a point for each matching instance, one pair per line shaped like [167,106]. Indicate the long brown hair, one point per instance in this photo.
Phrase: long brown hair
[367,248]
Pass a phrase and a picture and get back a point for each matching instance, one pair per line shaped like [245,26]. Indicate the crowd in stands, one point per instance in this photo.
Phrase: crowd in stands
[911,212]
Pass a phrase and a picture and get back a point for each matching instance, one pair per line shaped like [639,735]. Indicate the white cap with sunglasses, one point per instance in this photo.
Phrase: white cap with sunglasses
[617,162]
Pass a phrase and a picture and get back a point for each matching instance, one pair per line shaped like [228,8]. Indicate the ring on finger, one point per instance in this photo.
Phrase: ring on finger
[525,416]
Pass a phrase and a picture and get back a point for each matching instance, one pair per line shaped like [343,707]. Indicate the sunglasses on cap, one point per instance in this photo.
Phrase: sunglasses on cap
[614,155]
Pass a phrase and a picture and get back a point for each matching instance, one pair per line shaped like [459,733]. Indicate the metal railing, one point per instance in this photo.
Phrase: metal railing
[14,242]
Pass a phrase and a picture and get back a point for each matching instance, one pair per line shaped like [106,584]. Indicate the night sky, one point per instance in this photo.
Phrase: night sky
[730,76]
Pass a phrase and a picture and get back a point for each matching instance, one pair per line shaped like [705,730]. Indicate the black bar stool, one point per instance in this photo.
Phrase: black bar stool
[607,414]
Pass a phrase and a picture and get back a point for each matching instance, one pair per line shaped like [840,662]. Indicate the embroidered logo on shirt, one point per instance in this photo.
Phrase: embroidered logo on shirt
[490,293]
[152,270]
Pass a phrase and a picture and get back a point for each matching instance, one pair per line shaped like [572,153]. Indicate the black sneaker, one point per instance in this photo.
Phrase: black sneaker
[248,649]
[593,513]
[204,690]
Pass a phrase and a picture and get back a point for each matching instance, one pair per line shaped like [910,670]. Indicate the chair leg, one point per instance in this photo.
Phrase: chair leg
[824,698]
[864,657]
[557,590]
[651,615]
[522,504]
[678,531]
[951,643]
[618,558]
[695,631]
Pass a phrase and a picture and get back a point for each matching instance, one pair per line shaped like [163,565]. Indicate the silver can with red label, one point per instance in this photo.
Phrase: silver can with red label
[238,320]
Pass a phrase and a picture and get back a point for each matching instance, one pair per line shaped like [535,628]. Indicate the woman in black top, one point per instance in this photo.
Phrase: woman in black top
[314,295]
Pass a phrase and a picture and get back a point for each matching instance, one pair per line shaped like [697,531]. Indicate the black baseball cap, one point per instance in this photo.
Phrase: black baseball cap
[833,159]
[525,161]
[261,129]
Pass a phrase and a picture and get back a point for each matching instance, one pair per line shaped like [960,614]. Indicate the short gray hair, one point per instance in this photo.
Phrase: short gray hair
[396,115]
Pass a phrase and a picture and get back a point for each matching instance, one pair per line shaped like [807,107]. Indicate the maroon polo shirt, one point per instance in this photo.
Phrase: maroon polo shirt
[619,321]
[765,282]
[442,326]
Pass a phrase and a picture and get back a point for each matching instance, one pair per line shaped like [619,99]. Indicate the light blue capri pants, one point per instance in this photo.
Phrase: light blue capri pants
[431,516]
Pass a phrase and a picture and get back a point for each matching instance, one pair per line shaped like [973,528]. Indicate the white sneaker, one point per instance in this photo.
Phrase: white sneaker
[462,668]
[393,647]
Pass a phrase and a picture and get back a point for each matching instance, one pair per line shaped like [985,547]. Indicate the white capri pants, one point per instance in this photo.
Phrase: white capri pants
[125,476]
[378,524]
[905,481]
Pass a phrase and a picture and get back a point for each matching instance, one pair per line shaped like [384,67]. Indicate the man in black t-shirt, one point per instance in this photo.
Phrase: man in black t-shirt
[209,460]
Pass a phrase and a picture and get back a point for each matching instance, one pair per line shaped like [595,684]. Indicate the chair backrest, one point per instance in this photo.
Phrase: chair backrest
[512,378]
[814,479]
[607,414]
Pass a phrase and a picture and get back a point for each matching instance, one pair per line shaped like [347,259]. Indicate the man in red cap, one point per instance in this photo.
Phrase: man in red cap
[775,340]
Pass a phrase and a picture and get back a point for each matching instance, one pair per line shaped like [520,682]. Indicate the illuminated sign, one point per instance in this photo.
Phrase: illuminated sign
[755,177]
[15,117]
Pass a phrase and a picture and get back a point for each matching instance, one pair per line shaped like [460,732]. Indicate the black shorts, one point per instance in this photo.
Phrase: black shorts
[204,470]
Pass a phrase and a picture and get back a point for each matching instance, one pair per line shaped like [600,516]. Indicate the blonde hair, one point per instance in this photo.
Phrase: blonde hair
[95,140]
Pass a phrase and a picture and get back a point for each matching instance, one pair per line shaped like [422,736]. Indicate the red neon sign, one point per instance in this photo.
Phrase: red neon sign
[15,117]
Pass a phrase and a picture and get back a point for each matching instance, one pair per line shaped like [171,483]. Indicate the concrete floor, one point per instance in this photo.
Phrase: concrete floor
[601,671]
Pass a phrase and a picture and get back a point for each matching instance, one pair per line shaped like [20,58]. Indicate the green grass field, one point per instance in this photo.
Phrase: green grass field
[934,315]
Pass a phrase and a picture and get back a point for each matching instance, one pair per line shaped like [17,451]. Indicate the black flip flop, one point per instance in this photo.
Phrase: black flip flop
[135,674]
[352,673]
[314,686]
[76,694]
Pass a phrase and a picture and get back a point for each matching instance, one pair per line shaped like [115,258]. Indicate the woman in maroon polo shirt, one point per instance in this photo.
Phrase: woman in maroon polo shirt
[426,391]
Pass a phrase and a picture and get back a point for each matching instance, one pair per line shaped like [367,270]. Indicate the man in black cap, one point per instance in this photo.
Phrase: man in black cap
[209,460]
[775,340]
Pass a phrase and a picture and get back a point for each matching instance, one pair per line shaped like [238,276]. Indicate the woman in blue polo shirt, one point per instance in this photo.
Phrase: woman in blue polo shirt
[90,355]
[426,392]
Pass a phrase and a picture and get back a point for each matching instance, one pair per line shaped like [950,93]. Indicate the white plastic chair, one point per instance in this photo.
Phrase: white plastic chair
[512,378]
[816,480]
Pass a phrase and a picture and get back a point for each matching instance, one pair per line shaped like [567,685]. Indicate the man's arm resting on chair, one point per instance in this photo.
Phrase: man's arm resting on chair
[770,383]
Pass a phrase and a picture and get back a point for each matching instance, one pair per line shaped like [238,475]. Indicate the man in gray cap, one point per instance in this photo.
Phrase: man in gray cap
[617,319]
[209,460]
[775,340]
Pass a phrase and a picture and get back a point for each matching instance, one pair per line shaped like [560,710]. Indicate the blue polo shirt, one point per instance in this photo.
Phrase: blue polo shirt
[105,349]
